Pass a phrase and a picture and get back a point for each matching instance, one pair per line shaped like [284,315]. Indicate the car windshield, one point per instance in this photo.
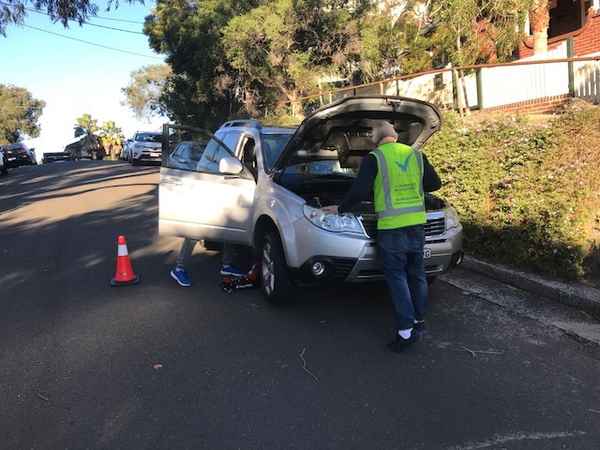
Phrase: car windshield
[272,146]
[148,137]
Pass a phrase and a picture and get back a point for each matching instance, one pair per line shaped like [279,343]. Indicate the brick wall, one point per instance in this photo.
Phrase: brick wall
[586,39]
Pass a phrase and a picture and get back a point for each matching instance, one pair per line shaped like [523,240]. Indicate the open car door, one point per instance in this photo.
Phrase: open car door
[205,192]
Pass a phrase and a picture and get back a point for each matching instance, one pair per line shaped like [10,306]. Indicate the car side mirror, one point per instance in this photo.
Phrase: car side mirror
[229,165]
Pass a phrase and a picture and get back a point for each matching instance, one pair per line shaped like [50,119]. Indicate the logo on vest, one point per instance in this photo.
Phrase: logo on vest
[404,166]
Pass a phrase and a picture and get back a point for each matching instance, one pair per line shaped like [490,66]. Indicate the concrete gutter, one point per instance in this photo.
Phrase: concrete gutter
[571,294]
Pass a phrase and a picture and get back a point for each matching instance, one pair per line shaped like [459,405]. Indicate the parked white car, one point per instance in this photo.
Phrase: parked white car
[145,147]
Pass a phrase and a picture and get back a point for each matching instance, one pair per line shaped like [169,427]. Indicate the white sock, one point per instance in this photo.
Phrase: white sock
[405,334]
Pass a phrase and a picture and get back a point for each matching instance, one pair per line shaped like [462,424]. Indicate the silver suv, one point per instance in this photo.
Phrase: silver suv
[264,187]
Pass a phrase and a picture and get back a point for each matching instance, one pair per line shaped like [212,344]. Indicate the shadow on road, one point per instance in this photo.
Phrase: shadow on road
[27,185]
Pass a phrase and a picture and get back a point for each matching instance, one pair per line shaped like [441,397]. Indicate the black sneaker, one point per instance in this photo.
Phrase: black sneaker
[399,343]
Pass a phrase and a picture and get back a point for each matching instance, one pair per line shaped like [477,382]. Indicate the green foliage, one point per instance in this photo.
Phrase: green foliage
[19,114]
[111,137]
[63,11]
[238,58]
[527,194]
[392,46]
[287,46]
[202,90]
[87,123]
[145,89]
[459,34]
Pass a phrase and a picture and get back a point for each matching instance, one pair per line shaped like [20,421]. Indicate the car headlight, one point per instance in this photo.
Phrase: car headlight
[345,223]
[452,219]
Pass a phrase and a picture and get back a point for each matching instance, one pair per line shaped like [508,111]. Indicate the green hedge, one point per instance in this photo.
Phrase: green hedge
[528,194]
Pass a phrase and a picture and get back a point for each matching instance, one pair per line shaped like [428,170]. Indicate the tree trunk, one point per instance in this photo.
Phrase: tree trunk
[539,16]
[461,91]
[464,89]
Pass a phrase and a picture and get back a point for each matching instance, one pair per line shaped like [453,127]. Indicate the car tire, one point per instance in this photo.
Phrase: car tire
[275,281]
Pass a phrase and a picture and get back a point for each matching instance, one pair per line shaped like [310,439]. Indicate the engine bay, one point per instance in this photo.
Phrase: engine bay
[319,193]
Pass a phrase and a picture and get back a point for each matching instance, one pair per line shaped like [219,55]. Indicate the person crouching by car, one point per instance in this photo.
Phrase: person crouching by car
[231,253]
[397,175]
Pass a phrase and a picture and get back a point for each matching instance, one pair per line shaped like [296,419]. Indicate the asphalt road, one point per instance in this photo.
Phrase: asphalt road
[155,366]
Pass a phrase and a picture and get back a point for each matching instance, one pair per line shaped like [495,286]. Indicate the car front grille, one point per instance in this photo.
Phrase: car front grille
[433,227]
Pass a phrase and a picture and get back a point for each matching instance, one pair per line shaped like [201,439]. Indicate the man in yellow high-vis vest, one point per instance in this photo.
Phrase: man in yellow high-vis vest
[398,177]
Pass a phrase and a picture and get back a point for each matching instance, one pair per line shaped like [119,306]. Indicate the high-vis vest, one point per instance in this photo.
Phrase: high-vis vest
[399,196]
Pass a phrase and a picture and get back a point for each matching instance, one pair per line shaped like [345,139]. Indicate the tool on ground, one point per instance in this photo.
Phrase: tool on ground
[232,283]
[124,275]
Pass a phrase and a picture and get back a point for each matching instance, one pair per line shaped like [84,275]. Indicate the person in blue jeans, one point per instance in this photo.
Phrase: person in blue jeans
[180,274]
[396,176]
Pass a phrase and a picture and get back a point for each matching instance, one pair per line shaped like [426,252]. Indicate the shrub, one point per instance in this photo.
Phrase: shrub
[528,194]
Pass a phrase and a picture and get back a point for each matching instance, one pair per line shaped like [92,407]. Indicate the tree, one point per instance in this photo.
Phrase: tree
[111,137]
[394,40]
[85,124]
[458,32]
[282,49]
[539,15]
[201,90]
[19,114]
[63,11]
[144,91]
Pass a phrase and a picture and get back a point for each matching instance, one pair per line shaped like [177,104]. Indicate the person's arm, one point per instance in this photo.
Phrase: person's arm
[431,180]
[363,184]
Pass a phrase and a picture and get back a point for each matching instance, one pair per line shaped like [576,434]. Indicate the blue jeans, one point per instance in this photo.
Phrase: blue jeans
[404,270]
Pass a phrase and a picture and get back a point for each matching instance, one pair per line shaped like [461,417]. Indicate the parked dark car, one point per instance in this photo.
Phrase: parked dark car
[56,156]
[85,146]
[18,155]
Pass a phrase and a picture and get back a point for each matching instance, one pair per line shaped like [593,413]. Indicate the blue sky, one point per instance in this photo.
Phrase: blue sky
[74,78]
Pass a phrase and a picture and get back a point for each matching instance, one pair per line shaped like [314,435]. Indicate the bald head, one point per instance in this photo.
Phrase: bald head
[382,129]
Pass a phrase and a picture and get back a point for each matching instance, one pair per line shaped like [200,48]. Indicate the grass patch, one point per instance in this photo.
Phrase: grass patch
[528,193]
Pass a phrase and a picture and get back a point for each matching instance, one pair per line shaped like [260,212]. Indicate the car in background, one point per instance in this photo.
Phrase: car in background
[86,145]
[3,163]
[265,187]
[18,155]
[146,147]
[56,157]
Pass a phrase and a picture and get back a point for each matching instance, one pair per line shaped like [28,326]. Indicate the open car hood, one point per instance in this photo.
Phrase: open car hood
[341,130]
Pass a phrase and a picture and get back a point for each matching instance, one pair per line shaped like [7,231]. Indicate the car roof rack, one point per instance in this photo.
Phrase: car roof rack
[252,123]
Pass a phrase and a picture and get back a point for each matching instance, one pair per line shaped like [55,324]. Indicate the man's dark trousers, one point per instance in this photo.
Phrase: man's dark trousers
[403,266]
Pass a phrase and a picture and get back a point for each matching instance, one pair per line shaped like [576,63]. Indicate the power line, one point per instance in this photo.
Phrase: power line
[85,21]
[118,20]
[91,43]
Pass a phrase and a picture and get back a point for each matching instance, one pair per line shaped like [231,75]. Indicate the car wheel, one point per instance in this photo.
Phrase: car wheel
[275,280]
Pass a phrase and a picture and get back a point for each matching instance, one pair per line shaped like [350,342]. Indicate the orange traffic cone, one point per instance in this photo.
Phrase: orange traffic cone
[124,274]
